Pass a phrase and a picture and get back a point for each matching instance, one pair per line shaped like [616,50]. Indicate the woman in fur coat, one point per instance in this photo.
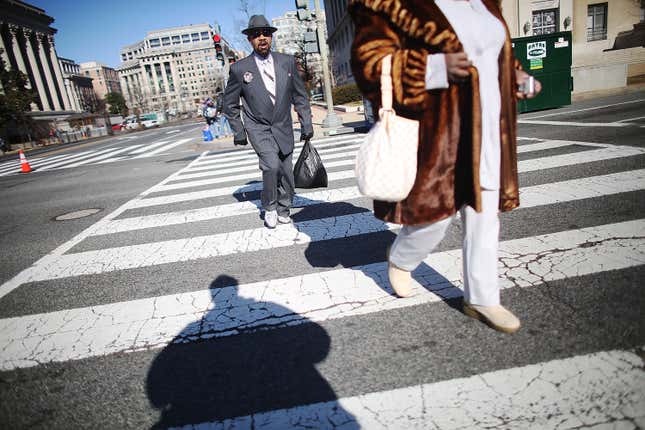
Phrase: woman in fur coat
[453,70]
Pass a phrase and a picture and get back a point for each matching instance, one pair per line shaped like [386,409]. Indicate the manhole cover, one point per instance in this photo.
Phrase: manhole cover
[77,214]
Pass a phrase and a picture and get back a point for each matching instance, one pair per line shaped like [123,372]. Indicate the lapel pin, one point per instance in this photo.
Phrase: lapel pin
[248,77]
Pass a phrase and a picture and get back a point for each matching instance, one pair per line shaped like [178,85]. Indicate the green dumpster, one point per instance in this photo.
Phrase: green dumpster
[548,58]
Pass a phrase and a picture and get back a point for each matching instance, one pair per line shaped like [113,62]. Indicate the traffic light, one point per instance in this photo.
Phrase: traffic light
[219,54]
[303,13]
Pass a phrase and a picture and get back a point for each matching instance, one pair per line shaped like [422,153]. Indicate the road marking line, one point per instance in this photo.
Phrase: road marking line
[587,109]
[603,153]
[631,119]
[149,147]
[154,322]
[582,391]
[253,160]
[102,157]
[254,166]
[574,124]
[36,161]
[162,149]
[17,280]
[237,156]
[73,159]
[173,131]
[112,160]
[538,195]
[333,153]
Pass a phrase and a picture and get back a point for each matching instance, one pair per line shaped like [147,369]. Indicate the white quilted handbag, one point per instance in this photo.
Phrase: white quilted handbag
[386,163]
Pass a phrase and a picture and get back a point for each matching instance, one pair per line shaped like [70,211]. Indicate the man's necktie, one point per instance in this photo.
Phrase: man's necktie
[266,70]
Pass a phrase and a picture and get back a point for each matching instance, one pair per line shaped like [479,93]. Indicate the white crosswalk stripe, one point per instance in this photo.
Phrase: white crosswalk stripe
[89,157]
[212,194]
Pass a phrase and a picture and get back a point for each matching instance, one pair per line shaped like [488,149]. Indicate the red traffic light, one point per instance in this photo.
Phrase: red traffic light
[216,38]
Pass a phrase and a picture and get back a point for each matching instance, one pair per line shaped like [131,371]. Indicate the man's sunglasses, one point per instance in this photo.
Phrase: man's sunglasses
[266,33]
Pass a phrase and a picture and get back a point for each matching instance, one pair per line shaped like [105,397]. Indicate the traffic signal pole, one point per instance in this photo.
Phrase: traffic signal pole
[331,120]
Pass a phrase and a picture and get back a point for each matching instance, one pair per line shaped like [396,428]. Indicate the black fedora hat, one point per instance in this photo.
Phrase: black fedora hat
[258,22]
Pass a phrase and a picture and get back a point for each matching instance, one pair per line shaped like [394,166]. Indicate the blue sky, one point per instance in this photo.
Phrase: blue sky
[94,30]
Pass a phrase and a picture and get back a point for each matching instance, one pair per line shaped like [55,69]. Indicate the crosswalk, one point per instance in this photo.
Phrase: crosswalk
[186,312]
[92,156]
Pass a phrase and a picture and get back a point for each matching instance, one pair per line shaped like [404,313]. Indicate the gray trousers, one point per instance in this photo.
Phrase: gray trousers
[277,178]
[479,248]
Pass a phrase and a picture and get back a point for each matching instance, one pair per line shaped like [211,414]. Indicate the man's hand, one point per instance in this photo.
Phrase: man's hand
[457,66]
[520,77]
[306,136]
[240,142]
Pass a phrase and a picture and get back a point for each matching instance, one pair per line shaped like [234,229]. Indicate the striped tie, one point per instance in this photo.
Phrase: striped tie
[266,70]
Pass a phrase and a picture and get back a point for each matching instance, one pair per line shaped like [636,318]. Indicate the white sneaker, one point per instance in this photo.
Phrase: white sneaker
[270,219]
[284,219]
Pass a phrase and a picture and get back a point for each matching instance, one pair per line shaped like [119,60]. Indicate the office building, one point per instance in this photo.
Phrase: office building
[173,69]
[289,39]
[79,88]
[27,44]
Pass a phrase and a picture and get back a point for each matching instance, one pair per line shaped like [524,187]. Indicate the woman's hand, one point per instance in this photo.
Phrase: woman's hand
[520,77]
[457,66]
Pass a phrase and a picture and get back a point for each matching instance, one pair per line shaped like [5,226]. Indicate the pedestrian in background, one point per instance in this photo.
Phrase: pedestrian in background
[224,126]
[453,70]
[268,84]
[209,112]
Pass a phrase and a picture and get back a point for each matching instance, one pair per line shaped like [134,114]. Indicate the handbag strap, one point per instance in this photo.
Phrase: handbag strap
[386,82]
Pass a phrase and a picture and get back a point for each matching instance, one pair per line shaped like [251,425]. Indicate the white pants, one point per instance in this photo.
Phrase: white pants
[479,248]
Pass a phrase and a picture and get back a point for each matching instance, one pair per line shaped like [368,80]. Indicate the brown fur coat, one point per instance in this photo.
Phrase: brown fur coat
[450,119]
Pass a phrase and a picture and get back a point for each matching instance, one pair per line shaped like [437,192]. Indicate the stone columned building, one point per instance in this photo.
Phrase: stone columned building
[27,44]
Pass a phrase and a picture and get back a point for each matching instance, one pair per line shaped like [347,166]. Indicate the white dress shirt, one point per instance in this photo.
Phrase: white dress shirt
[482,36]
[267,71]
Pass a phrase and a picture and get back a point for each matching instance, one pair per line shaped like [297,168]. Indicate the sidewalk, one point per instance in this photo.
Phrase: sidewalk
[352,120]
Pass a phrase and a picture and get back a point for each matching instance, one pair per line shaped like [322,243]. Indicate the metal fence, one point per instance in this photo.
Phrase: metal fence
[77,135]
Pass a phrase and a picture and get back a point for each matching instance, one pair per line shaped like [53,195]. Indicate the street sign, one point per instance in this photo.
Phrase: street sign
[311,47]
[304,15]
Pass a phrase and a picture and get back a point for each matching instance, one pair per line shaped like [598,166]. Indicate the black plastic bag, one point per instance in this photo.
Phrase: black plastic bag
[309,171]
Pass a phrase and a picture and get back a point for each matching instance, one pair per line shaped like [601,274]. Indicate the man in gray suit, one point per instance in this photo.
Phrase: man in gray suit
[268,84]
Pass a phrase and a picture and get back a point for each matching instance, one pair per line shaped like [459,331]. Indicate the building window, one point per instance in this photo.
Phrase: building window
[154,43]
[597,22]
[195,37]
[165,41]
[545,21]
[176,40]
[205,35]
[185,38]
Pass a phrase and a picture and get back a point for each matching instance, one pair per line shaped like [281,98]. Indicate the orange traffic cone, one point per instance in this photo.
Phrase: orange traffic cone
[24,165]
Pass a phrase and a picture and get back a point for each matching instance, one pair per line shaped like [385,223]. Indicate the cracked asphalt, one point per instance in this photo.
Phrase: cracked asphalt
[181,310]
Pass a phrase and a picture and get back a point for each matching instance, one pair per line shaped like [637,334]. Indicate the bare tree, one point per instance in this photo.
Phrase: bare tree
[246,9]
[139,99]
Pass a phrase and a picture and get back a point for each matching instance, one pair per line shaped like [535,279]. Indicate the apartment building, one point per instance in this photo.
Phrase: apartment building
[104,79]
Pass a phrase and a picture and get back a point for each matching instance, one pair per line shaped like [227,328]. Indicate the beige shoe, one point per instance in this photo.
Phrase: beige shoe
[401,280]
[497,317]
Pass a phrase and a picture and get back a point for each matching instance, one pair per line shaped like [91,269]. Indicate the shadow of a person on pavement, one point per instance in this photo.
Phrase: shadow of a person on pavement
[367,251]
[238,359]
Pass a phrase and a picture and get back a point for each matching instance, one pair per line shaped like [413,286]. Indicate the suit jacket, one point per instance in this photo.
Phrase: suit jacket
[450,119]
[262,119]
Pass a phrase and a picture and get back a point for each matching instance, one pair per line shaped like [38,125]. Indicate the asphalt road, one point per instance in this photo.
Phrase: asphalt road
[173,306]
